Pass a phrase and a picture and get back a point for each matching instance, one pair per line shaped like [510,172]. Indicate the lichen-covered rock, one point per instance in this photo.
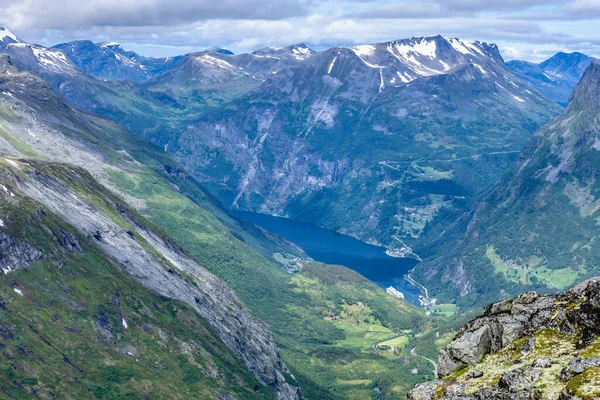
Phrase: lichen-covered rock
[521,379]
[543,362]
[531,347]
[578,365]
[424,391]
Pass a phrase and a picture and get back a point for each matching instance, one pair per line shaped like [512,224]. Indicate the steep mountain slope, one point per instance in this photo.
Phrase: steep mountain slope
[300,309]
[374,141]
[534,346]
[539,225]
[111,61]
[556,77]
[65,239]
[35,121]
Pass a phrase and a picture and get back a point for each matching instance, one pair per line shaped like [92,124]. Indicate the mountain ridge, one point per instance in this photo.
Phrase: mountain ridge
[555,77]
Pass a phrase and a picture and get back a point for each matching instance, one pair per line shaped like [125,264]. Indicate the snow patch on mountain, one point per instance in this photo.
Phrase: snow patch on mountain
[464,47]
[301,52]
[331,64]
[364,50]
[110,44]
[213,61]
[5,33]
[51,59]
[406,51]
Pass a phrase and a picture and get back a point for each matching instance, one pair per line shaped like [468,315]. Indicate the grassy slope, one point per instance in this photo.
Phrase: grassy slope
[49,336]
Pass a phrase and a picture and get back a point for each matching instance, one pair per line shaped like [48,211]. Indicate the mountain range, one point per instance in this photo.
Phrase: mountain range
[556,77]
[117,173]
[373,141]
[111,61]
[86,203]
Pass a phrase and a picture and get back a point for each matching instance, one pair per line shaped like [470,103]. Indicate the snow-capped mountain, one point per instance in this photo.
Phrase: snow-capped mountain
[7,36]
[416,126]
[210,67]
[405,60]
[556,77]
[298,51]
[38,59]
[123,101]
[218,77]
[111,61]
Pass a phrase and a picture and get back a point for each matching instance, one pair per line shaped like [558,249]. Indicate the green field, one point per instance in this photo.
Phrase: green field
[531,272]
[444,309]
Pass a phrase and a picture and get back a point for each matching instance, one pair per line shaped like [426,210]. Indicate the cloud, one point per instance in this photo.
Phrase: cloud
[527,28]
[74,14]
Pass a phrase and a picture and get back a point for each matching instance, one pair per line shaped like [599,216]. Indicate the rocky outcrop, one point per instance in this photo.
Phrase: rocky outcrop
[15,254]
[533,346]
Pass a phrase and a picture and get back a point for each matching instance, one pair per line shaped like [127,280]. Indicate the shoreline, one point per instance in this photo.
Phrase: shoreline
[425,301]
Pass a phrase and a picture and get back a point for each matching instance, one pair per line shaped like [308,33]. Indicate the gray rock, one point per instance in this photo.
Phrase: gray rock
[495,393]
[527,298]
[424,391]
[521,379]
[528,346]
[446,363]
[543,362]
[565,374]
[579,365]
[470,347]
[455,390]
[499,307]
[474,374]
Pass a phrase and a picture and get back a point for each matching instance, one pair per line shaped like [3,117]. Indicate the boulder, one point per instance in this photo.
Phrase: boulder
[424,391]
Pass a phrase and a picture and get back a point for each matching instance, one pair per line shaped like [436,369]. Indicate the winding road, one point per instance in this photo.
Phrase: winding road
[413,351]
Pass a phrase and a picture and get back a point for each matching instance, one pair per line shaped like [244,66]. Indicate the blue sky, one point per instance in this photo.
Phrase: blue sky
[531,30]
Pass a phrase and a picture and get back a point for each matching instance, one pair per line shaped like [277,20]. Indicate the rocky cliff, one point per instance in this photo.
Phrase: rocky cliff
[141,252]
[531,347]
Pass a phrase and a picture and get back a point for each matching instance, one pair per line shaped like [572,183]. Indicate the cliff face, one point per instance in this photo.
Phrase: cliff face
[531,347]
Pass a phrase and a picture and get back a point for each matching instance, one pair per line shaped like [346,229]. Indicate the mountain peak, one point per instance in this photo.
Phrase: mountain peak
[112,45]
[587,91]
[300,51]
[7,36]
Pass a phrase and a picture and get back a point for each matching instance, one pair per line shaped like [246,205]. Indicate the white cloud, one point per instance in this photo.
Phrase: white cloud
[522,28]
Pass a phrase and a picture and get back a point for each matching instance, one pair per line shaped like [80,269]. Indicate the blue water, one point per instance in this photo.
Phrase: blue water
[334,248]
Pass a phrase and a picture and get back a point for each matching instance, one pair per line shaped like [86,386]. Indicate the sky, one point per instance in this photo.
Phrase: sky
[523,29]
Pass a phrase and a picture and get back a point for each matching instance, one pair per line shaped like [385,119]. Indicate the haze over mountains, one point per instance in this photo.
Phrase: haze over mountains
[429,146]
[556,77]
